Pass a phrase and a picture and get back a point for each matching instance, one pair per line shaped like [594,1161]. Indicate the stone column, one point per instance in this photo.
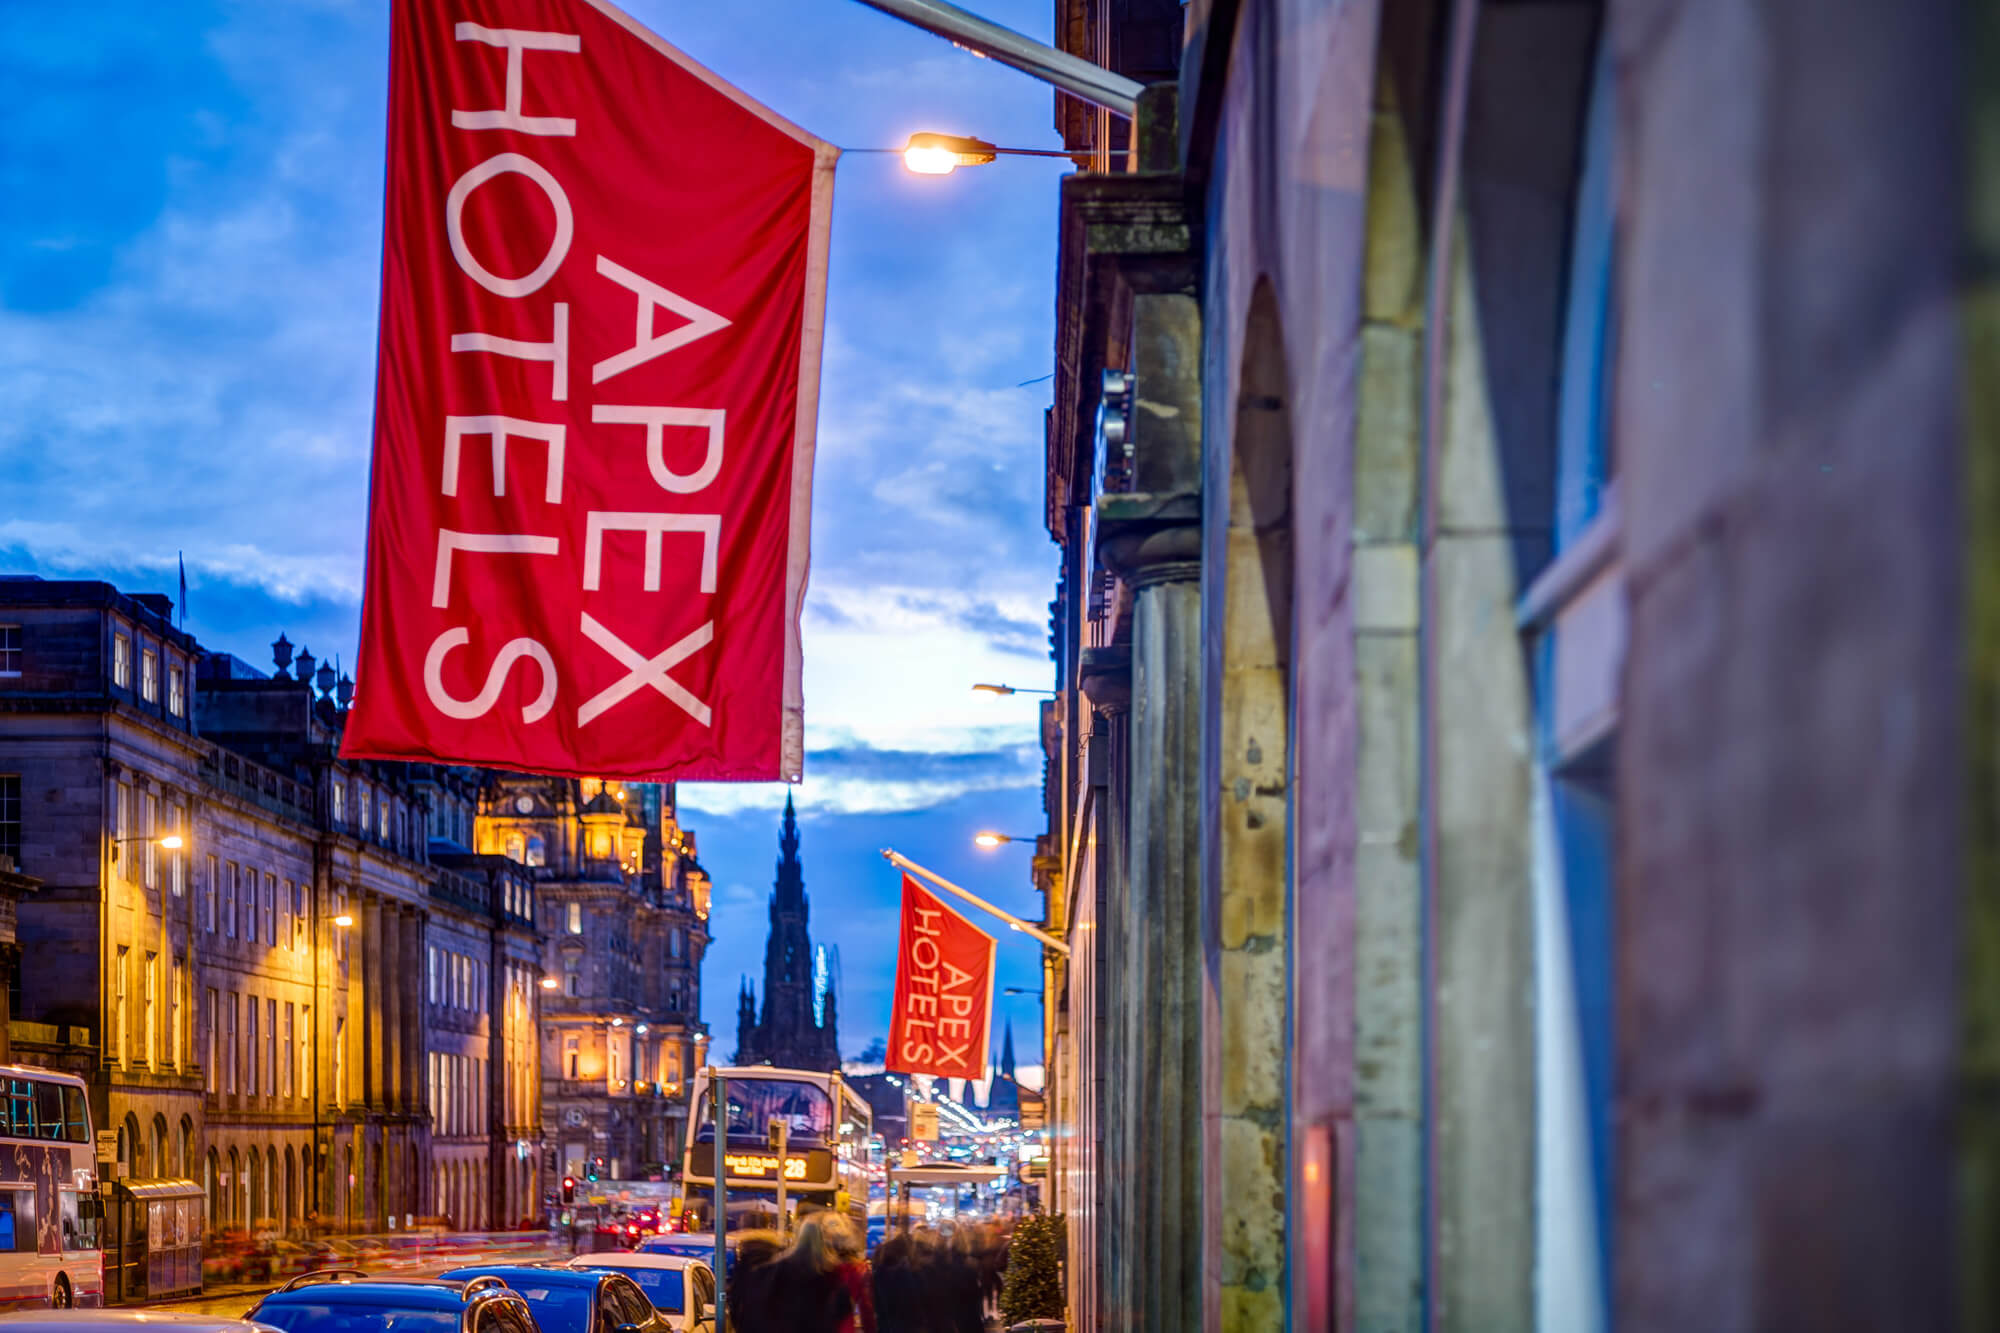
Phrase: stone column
[370,948]
[410,985]
[1105,676]
[1151,537]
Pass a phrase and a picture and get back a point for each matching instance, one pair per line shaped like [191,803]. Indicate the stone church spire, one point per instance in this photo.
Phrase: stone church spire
[787,1032]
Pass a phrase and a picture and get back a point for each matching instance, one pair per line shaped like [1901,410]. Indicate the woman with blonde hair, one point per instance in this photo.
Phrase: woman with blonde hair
[800,1291]
[844,1237]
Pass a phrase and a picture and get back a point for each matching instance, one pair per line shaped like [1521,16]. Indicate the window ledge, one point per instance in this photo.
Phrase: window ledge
[1594,550]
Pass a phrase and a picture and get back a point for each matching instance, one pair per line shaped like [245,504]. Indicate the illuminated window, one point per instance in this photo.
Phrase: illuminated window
[176,692]
[576,918]
[517,847]
[149,675]
[570,1056]
[121,661]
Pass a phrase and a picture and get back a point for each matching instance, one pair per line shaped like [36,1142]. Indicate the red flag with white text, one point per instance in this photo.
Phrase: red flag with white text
[942,1021]
[603,287]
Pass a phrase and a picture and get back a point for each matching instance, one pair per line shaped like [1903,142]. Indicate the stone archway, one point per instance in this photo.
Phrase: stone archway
[1250,819]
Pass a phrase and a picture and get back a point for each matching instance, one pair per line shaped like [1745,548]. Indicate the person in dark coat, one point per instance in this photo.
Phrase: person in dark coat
[800,1291]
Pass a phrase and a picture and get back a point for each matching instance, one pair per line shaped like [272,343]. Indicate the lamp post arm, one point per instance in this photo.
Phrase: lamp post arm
[1029,928]
[1073,74]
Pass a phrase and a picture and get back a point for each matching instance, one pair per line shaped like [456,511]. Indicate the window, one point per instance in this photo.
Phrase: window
[615,1079]
[382,818]
[570,1056]
[149,674]
[177,1018]
[121,817]
[250,1034]
[208,894]
[270,909]
[284,914]
[177,859]
[572,977]
[537,851]
[433,974]
[290,1085]
[271,1048]
[230,872]
[674,942]
[517,847]
[17,1219]
[176,691]
[118,1002]
[338,790]
[340,1061]
[10,816]
[149,833]
[305,1051]
[232,1054]
[210,1021]
[298,918]
[149,1002]
[576,918]
[10,650]
[121,661]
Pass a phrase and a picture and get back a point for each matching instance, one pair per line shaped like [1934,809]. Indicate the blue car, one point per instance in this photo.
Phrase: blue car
[346,1300]
[568,1300]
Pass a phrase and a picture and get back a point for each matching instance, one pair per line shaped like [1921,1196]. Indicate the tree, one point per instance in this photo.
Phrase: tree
[1033,1286]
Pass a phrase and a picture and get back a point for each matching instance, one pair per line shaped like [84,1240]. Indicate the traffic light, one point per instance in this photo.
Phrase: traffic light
[591,1171]
[569,1189]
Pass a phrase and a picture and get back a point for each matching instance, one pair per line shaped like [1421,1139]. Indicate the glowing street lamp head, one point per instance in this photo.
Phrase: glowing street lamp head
[941,154]
[992,689]
[343,921]
[172,842]
[548,983]
[989,840]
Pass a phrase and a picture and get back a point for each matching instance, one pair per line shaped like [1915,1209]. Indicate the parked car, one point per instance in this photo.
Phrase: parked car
[346,1300]
[680,1288]
[125,1321]
[569,1300]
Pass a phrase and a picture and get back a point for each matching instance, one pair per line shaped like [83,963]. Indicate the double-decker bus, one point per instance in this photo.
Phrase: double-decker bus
[827,1127]
[49,1208]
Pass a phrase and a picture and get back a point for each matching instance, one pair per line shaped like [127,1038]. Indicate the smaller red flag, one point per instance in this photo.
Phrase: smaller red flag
[942,1021]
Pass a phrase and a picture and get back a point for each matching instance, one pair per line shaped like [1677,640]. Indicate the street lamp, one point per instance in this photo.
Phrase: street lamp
[548,983]
[172,842]
[343,921]
[989,839]
[1009,689]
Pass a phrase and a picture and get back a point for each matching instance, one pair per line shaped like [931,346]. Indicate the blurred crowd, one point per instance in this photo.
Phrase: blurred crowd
[925,1280]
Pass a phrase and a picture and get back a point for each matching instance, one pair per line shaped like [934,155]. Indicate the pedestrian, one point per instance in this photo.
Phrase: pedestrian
[847,1242]
[800,1291]
[898,1287]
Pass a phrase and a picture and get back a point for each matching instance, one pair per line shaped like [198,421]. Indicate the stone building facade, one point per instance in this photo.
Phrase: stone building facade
[1519,698]
[623,905]
[250,1008]
[799,1025]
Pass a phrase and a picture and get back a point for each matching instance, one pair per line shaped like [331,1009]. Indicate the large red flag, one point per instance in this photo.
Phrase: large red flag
[603,283]
[942,1021]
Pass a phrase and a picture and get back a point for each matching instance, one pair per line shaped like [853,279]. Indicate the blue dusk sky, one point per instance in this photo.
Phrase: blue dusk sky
[190,240]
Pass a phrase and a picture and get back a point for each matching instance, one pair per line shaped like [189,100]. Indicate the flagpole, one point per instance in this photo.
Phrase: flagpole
[897,858]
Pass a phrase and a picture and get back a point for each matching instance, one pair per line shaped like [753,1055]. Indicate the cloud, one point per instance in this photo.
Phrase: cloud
[859,779]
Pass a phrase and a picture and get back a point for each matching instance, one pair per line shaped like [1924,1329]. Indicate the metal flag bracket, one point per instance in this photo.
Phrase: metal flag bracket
[896,858]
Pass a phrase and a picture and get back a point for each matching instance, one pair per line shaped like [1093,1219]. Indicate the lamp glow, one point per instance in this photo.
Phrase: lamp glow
[930,161]
[989,840]
[993,689]
[172,842]
[343,921]
[548,983]
[941,154]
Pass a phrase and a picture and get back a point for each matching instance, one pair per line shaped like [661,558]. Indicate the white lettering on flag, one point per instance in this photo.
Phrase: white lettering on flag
[503,429]
[655,420]
[555,350]
[482,703]
[516,40]
[641,671]
[486,543]
[645,344]
[454,225]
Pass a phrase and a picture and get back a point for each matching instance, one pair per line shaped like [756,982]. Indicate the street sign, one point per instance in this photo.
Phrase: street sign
[924,1121]
[107,1145]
